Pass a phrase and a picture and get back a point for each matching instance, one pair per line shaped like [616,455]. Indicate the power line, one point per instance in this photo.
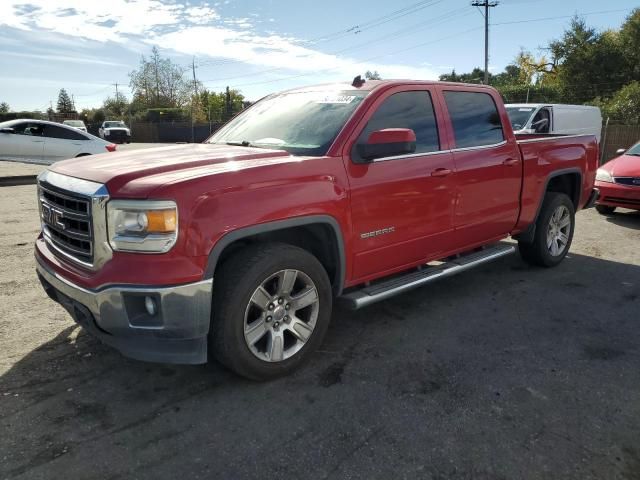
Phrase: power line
[453,14]
[487,5]
[562,16]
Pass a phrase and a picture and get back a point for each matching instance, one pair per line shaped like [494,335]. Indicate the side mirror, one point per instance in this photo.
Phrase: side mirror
[620,151]
[540,124]
[7,130]
[388,143]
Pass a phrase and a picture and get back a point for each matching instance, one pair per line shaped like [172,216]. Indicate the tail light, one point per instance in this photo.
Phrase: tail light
[111,147]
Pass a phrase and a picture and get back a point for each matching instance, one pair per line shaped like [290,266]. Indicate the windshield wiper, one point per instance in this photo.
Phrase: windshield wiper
[243,143]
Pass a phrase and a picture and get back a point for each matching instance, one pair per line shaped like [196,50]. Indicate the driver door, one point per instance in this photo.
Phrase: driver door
[401,206]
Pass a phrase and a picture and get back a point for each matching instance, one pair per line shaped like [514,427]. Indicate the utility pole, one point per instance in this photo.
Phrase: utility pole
[116,85]
[486,4]
[195,97]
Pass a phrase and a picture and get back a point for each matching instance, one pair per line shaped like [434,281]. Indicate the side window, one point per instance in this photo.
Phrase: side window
[412,110]
[542,121]
[475,119]
[53,131]
[28,128]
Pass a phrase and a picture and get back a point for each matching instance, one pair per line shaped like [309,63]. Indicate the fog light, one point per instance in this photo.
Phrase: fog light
[150,305]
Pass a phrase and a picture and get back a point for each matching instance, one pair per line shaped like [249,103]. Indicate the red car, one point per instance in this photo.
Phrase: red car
[619,182]
[332,192]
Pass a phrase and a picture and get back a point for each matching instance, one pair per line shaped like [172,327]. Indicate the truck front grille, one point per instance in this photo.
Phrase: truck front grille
[67,222]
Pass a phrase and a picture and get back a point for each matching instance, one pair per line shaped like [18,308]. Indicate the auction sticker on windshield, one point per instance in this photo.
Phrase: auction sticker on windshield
[336,99]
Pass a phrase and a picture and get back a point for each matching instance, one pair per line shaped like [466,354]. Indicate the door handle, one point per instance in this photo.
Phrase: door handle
[440,172]
[510,162]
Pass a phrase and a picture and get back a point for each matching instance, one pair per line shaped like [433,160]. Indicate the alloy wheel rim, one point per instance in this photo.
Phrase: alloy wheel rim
[558,231]
[281,315]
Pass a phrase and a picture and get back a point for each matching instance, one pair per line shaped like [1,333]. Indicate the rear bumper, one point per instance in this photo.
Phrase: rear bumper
[616,195]
[175,333]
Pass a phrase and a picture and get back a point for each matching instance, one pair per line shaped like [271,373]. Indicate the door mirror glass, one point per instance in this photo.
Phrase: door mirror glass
[7,130]
[388,143]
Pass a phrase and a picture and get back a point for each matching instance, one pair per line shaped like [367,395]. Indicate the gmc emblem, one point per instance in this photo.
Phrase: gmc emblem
[53,216]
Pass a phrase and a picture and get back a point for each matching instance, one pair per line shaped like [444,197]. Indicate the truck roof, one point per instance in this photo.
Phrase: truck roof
[369,85]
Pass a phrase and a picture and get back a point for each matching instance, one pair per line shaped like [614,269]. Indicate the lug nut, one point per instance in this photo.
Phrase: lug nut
[280,300]
[271,306]
[277,324]
[287,306]
[286,318]
[269,319]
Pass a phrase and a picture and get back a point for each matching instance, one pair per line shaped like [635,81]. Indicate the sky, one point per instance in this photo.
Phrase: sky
[262,46]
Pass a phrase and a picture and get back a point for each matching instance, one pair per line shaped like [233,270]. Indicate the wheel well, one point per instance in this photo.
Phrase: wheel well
[318,239]
[568,183]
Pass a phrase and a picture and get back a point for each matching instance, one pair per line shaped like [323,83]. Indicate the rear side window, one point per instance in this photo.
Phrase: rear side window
[53,131]
[475,119]
[412,110]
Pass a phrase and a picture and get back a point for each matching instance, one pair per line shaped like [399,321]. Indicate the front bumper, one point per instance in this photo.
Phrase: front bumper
[617,195]
[176,333]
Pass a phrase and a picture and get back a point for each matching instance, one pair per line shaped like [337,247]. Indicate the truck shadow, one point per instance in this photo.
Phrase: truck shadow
[536,363]
[626,218]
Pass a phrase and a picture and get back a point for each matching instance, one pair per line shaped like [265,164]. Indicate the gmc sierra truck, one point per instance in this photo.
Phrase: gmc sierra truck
[237,248]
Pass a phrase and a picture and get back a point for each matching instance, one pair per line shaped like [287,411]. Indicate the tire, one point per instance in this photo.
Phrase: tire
[605,210]
[249,325]
[548,249]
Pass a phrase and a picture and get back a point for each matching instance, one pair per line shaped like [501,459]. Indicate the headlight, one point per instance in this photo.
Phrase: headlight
[106,132]
[603,176]
[142,225]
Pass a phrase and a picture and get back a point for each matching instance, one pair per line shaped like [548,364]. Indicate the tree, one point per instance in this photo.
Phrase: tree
[624,106]
[369,75]
[65,105]
[475,76]
[217,107]
[158,83]
[4,107]
[117,106]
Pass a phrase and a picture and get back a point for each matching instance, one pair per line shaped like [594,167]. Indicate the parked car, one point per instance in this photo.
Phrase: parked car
[334,192]
[619,182]
[115,131]
[527,118]
[79,124]
[41,140]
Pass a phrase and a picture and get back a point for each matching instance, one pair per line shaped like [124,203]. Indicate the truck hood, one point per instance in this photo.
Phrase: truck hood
[135,173]
[624,166]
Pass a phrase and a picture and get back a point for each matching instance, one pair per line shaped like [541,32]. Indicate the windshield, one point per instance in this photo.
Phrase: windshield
[74,123]
[635,150]
[114,124]
[519,116]
[302,123]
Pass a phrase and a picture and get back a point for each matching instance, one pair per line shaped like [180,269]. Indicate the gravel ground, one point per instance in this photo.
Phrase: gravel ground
[504,372]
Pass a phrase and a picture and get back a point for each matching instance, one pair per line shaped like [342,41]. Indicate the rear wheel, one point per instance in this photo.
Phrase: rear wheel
[271,309]
[554,232]
[605,210]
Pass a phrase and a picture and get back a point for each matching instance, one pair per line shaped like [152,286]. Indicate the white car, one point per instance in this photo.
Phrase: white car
[531,118]
[47,142]
[79,124]
[115,131]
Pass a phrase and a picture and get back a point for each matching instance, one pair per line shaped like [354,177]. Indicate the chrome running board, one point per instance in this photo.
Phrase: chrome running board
[384,289]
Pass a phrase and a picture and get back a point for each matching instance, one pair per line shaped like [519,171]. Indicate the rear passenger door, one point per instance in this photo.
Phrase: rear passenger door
[488,168]
[62,143]
[401,206]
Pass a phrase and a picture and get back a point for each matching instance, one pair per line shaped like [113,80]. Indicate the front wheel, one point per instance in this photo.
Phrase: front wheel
[271,309]
[554,232]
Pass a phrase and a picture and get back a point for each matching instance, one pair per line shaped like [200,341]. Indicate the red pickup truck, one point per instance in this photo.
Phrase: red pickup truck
[238,247]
